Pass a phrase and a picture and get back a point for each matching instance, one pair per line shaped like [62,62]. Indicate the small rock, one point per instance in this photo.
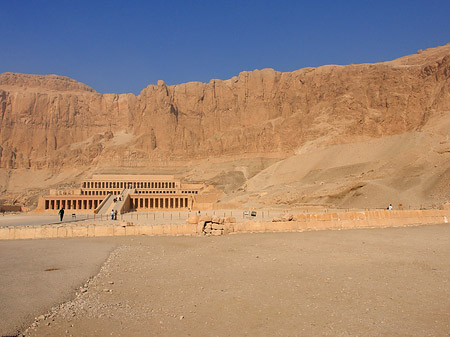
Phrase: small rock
[181,317]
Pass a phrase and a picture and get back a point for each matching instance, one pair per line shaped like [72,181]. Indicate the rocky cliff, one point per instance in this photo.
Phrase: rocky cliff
[348,136]
[53,121]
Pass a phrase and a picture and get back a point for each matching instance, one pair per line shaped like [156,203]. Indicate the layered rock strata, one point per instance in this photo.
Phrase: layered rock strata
[56,122]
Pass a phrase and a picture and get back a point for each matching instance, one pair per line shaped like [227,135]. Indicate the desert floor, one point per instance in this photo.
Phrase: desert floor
[366,282]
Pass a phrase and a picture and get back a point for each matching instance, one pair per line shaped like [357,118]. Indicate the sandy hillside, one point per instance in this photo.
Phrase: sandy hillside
[411,169]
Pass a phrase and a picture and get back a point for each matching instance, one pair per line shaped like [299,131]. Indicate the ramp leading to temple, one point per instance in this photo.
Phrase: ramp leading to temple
[122,203]
[105,205]
[112,203]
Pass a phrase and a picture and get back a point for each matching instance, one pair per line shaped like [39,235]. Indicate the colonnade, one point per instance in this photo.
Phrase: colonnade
[160,203]
[73,204]
[117,192]
[129,184]
[100,192]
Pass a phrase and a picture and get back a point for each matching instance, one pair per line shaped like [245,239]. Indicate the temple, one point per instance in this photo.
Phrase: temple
[105,193]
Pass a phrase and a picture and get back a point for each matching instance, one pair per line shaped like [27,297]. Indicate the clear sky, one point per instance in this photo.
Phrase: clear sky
[122,46]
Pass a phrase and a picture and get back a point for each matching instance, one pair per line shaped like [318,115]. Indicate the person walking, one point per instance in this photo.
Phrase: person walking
[61,214]
[112,214]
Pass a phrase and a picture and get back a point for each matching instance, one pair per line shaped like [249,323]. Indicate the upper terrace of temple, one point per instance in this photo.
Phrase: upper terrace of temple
[144,184]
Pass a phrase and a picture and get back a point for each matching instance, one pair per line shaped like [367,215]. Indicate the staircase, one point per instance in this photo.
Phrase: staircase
[121,203]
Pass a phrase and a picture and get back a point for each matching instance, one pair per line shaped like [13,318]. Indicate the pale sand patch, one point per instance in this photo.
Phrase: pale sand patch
[37,274]
[371,282]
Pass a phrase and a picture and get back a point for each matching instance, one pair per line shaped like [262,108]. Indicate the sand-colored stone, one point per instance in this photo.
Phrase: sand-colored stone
[374,219]
[193,219]
[350,136]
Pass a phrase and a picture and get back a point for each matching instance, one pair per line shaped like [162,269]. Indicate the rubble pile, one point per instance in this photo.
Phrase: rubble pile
[212,226]
[284,218]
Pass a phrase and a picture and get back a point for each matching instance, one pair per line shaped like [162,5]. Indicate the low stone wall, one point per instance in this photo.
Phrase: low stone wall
[93,230]
[347,220]
[301,222]
[10,208]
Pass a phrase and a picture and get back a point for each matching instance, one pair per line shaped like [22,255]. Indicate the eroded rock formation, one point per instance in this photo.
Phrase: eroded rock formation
[352,135]
[53,121]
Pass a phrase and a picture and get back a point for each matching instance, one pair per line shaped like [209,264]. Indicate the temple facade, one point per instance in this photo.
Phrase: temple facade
[103,193]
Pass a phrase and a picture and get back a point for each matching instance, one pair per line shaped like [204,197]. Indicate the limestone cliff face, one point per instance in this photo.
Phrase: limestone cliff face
[53,121]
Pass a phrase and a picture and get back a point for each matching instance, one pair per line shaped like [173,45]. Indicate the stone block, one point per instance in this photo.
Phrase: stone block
[104,230]
[199,228]
[119,230]
[205,218]
[90,230]
[141,229]
[193,219]
[24,232]
[130,230]
[4,233]
[217,226]
[230,219]
[79,231]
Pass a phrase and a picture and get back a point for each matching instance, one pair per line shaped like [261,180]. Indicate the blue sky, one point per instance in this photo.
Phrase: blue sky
[122,46]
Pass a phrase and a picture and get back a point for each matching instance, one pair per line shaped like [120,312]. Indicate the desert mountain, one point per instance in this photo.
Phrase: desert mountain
[350,136]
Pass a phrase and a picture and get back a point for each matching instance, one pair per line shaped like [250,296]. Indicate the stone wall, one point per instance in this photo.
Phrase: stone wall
[301,222]
[10,208]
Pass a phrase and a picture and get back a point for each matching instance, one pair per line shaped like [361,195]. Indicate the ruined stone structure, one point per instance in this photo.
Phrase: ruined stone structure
[103,193]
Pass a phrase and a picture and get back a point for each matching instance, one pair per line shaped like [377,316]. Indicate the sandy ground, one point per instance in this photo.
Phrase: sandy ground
[36,274]
[368,282]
